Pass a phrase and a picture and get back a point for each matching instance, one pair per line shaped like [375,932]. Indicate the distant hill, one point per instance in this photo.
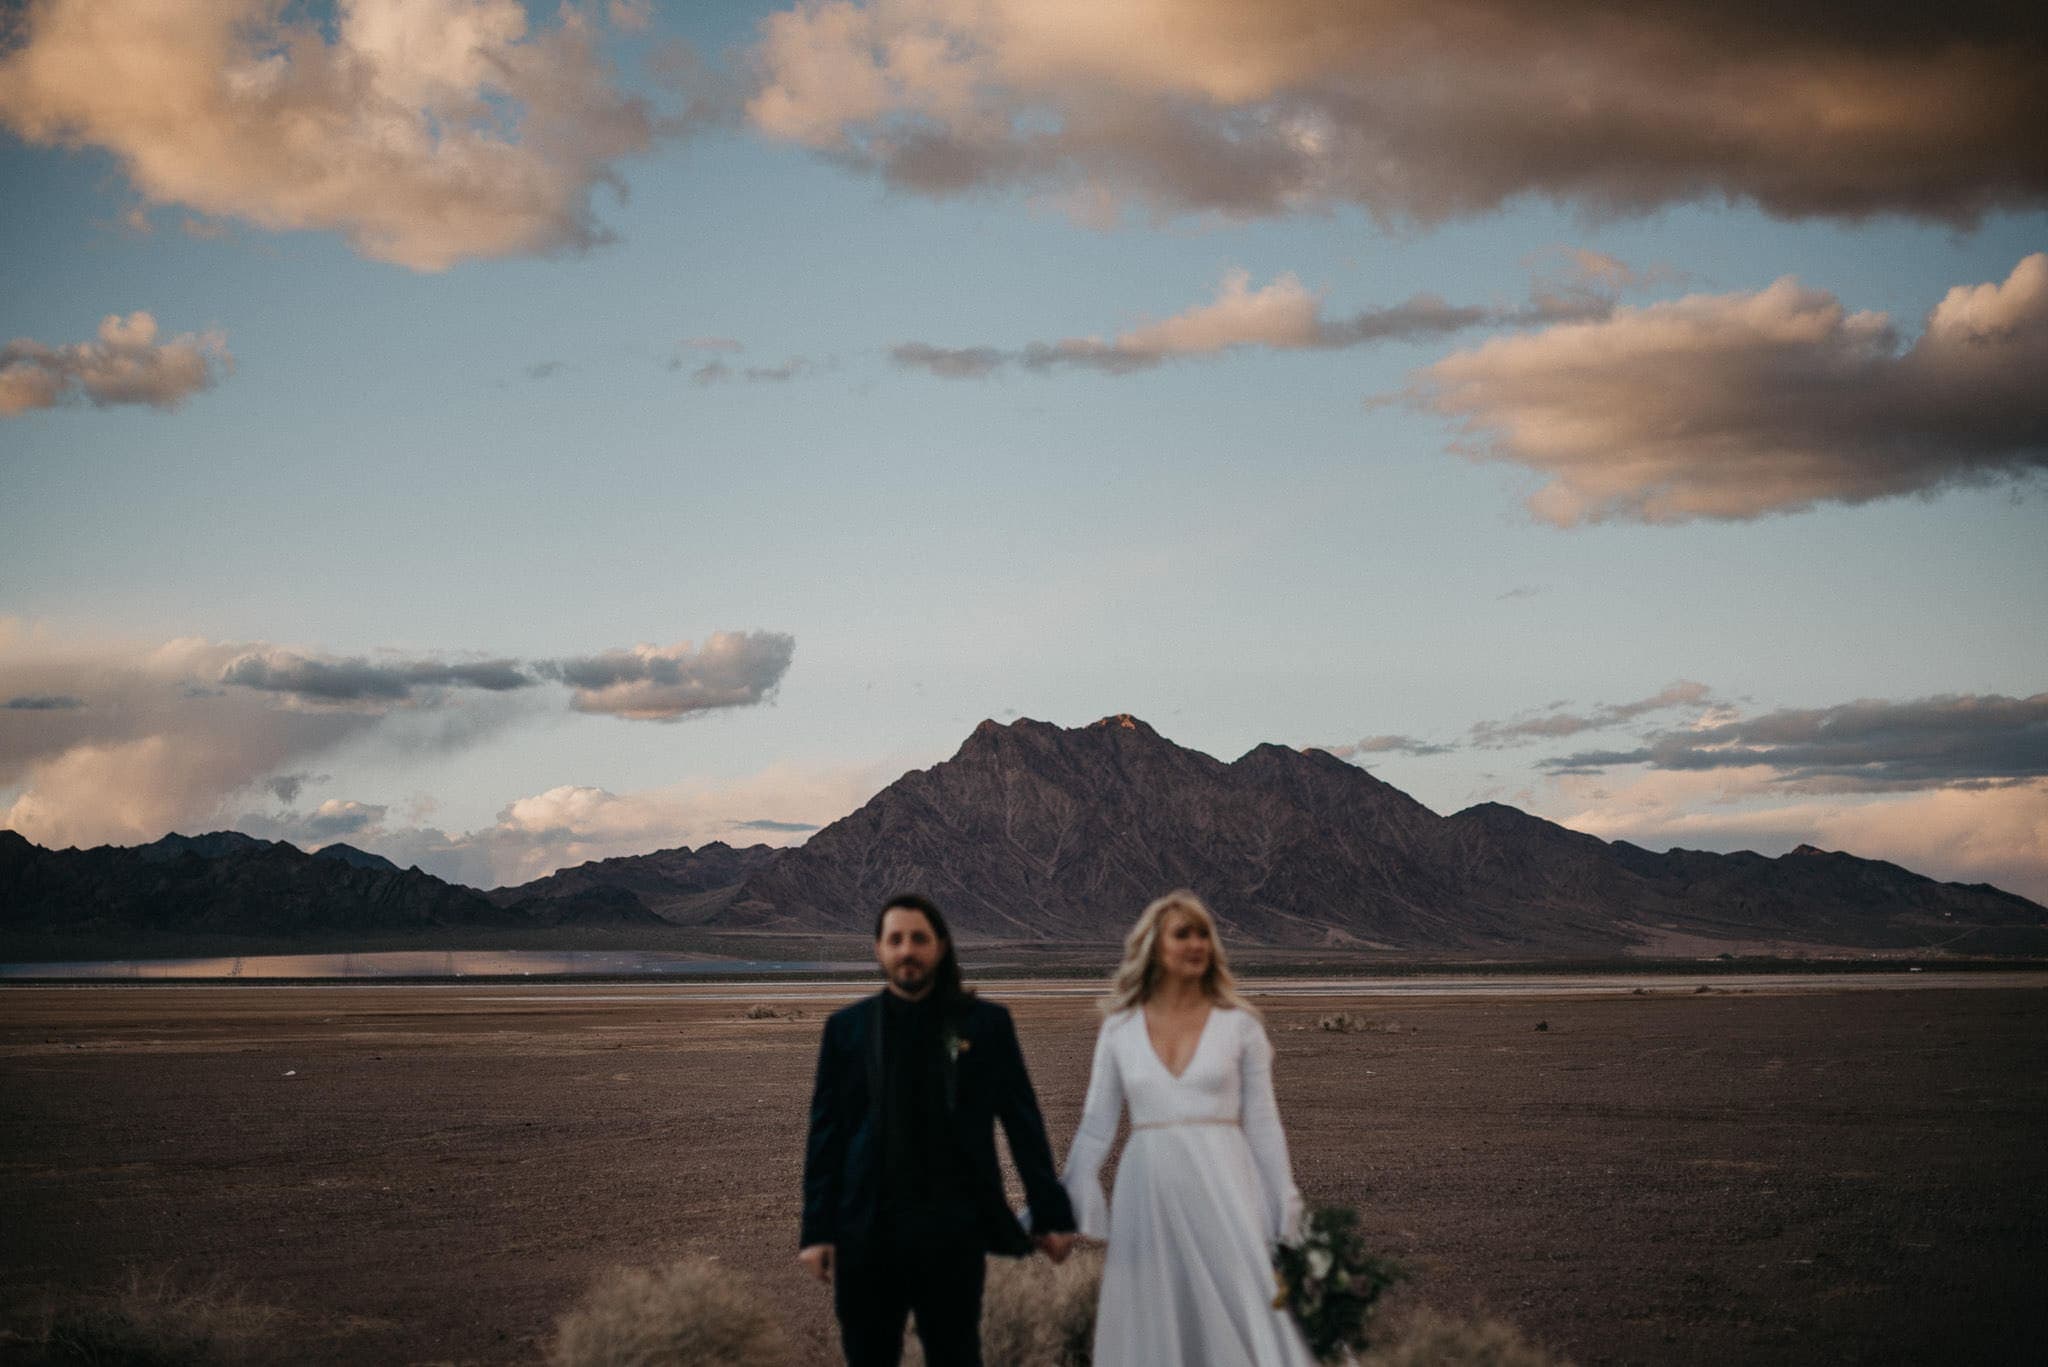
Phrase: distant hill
[349,854]
[1034,831]
[681,886]
[225,883]
[1039,832]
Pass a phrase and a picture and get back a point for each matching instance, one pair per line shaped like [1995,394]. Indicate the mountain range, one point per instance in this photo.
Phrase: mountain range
[1037,832]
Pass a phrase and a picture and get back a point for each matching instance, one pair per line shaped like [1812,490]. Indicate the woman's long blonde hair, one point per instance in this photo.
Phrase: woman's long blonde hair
[1138,974]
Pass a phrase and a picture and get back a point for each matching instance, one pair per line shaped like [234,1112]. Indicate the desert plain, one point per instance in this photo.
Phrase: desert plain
[1668,1170]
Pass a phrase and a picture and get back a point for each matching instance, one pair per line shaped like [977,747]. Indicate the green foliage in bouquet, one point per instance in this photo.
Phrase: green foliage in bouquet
[1330,1282]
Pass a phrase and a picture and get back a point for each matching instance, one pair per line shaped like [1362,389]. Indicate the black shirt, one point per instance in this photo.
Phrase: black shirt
[920,1180]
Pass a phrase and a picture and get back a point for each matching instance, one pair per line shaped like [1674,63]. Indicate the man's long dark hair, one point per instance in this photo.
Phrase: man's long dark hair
[948,992]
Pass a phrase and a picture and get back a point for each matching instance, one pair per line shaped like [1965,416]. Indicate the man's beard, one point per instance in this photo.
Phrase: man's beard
[911,977]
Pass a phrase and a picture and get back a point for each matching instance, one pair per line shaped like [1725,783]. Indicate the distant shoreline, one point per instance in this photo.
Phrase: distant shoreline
[21,974]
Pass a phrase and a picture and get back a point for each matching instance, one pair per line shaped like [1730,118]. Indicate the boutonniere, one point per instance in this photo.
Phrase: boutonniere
[956,1046]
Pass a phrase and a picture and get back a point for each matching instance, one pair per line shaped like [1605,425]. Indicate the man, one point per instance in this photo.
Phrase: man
[902,1196]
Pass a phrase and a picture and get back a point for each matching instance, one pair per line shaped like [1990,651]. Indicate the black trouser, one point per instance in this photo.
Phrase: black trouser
[883,1280]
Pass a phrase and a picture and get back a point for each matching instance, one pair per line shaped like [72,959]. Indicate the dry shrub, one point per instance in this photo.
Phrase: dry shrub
[692,1312]
[1351,1023]
[153,1322]
[1428,1339]
[1034,1314]
[759,1012]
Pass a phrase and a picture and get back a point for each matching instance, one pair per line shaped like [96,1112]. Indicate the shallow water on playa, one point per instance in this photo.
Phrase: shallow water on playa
[1271,990]
[456,963]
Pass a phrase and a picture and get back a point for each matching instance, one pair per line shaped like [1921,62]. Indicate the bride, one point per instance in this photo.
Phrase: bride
[1203,1190]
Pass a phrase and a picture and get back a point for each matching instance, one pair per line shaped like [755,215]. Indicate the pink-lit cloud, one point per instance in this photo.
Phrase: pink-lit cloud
[1387,745]
[1421,109]
[667,683]
[1871,745]
[427,132]
[123,741]
[1283,315]
[1733,406]
[1969,835]
[123,364]
[1556,722]
[533,836]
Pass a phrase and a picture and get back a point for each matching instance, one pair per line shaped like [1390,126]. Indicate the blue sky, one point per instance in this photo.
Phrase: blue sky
[1784,584]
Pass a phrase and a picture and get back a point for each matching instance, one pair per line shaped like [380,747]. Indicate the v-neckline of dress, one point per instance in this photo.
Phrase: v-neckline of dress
[1201,1038]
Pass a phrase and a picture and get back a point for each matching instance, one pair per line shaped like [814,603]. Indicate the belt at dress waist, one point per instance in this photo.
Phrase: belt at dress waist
[1191,1120]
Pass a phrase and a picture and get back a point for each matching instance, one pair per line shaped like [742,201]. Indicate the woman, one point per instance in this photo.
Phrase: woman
[1203,1190]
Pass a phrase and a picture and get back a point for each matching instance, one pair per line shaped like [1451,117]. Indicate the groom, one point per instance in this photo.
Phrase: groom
[902,1196]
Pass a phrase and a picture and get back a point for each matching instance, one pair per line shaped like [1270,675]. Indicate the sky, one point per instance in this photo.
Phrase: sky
[504,435]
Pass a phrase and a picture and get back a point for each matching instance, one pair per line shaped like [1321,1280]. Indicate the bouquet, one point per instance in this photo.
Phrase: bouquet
[1330,1282]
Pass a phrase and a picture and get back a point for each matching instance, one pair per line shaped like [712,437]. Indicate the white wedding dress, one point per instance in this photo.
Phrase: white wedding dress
[1202,1193]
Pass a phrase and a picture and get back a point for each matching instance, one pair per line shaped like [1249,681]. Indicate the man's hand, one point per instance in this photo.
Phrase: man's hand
[1055,1246]
[817,1260]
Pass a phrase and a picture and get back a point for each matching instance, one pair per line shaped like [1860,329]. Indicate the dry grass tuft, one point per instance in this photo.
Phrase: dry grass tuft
[1034,1314]
[153,1322]
[1351,1023]
[1426,1338]
[691,1312]
[760,1012]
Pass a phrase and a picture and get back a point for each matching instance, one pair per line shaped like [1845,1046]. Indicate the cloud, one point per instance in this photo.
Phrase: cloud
[360,680]
[427,132]
[1570,269]
[45,702]
[634,16]
[124,364]
[950,363]
[1383,745]
[1969,835]
[162,745]
[667,683]
[1281,316]
[336,818]
[1556,723]
[778,374]
[176,731]
[286,787]
[713,370]
[716,371]
[1732,406]
[1953,740]
[732,669]
[1421,110]
[534,836]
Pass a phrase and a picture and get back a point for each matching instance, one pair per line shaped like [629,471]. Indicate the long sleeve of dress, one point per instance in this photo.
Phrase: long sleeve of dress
[1082,1176]
[1260,1116]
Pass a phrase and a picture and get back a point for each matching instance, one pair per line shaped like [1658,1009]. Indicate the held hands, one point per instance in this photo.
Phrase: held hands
[1055,1246]
[817,1260]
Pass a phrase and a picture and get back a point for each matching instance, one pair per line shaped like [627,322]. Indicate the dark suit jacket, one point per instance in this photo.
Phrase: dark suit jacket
[986,1082]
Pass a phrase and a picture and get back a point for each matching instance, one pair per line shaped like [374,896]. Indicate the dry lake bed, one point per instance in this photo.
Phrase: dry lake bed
[1776,1170]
